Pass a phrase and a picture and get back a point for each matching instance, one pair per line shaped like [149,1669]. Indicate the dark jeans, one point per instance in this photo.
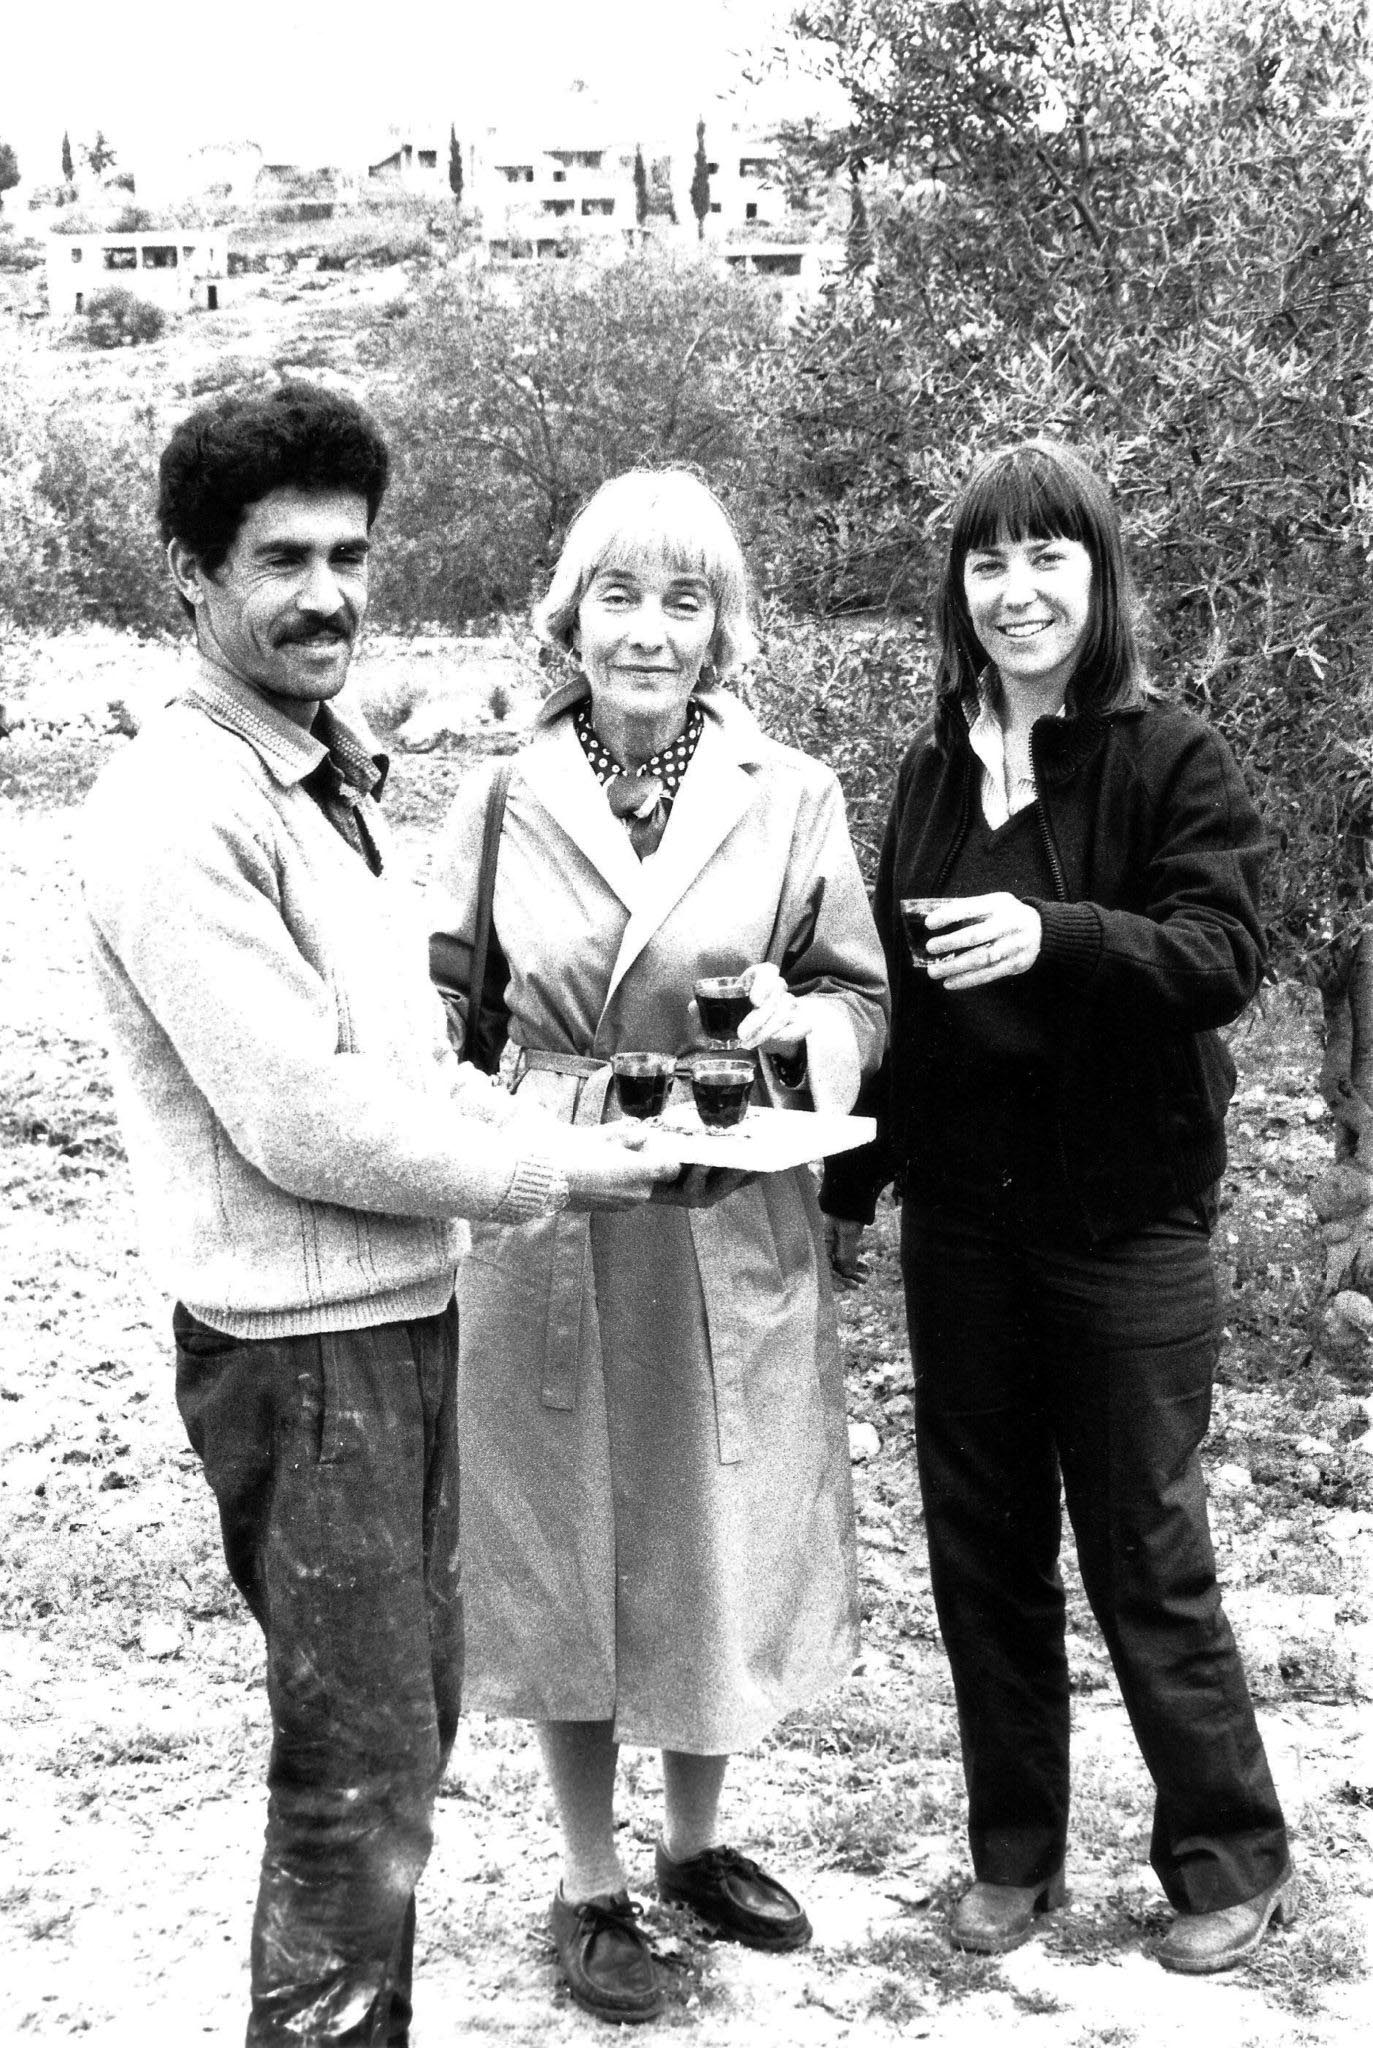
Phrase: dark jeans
[1034,1361]
[334,1462]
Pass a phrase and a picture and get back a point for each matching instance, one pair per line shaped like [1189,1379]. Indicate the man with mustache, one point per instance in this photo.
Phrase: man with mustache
[301,1141]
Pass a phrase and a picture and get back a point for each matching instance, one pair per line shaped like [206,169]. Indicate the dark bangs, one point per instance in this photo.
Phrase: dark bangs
[1022,496]
[1043,490]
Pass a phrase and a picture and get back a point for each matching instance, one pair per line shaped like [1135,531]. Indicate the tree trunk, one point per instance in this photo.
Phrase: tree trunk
[1343,1196]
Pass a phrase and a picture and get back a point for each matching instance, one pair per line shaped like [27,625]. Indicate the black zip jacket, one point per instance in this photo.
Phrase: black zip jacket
[1152,939]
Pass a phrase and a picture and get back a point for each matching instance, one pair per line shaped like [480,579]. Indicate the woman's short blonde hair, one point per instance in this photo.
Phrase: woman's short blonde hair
[659,517]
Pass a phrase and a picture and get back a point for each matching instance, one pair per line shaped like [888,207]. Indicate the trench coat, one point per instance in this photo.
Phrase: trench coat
[657,1513]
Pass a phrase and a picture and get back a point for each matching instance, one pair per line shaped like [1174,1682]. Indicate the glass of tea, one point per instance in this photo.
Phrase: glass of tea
[915,911]
[721,1089]
[723,1003]
[642,1081]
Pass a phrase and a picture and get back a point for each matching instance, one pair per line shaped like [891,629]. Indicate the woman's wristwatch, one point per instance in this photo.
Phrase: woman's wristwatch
[791,1067]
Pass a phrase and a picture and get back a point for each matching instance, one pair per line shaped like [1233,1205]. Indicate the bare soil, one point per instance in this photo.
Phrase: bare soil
[132,1719]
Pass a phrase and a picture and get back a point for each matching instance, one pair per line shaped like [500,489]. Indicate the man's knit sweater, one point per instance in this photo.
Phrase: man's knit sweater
[300,1135]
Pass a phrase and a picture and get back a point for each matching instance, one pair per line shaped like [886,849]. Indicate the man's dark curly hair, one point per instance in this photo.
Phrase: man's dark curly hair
[227,455]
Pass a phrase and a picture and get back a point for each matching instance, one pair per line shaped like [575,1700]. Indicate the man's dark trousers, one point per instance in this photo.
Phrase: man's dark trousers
[1036,1362]
[334,1461]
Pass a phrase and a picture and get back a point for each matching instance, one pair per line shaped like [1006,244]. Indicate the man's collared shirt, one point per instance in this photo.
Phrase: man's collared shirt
[331,762]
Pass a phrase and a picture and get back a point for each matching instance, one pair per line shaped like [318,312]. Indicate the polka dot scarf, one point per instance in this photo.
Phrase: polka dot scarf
[641,798]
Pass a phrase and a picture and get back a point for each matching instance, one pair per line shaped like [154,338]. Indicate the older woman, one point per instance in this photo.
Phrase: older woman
[1055,1112]
[657,1516]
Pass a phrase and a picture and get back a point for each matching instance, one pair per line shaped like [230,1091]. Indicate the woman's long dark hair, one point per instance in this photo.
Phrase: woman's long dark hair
[1042,490]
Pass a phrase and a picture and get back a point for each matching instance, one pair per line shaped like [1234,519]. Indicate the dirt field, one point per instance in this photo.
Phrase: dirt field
[131,1710]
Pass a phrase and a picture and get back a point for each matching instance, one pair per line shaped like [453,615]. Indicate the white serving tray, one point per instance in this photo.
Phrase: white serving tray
[767,1141]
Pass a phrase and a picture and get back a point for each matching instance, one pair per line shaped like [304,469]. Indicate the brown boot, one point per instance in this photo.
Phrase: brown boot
[1198,1943]
[992,1918]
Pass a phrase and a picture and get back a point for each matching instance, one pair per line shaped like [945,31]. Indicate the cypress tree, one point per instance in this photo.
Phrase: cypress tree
[700,183]
[858,243]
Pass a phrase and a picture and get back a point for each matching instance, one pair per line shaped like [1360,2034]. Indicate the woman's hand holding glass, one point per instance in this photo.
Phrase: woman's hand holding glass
[777,1020]
[989,938]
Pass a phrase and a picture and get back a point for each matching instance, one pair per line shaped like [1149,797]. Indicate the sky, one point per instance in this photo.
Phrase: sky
[307,81]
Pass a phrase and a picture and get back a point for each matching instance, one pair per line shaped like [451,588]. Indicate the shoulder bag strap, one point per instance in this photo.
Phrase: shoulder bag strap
[486,891]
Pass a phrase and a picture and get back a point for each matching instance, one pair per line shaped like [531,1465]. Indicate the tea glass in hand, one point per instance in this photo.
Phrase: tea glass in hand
[642,1081]
[720,1089]
[914,915]
[723,1003]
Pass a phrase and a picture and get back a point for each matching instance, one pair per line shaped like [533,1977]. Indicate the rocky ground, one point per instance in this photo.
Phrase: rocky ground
[132,1721]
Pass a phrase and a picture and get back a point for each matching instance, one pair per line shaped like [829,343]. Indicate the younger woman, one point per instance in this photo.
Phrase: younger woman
[1054,1105]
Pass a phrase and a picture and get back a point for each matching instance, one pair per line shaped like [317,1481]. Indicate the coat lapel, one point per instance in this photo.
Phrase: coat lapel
[556,772]
[714,795]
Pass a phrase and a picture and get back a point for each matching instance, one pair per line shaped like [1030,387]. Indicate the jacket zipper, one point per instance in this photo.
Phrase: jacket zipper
[1046,832]
[956,840]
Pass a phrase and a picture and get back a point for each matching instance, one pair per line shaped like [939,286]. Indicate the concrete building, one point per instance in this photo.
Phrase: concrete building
[794,274]
[414,161]
[541,199]
[175,268]
[746,186]
[542,195]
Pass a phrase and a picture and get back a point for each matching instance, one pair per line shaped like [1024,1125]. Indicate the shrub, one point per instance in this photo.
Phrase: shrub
[44,197]
[19,252]
[228,372]
[508,401]
[77,538]
[121,319]
[125,220]
[851,694]
[378,247]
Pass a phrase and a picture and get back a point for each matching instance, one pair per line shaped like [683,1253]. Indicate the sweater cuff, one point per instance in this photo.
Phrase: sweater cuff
[1070,937]
[852,1182]
[539,1188]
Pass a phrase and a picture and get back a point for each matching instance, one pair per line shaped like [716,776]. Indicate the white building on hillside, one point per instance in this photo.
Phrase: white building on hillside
[174,268]
[570,184]
[544,197]
[746,186]
[792,274]
[412,160]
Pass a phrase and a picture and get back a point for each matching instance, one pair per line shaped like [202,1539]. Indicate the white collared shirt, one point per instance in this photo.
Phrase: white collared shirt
[1002,794]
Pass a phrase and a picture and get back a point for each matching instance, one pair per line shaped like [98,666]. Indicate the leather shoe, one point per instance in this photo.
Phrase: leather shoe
[992,1918]
[1198,1943]
[734,1898]
[607,1962]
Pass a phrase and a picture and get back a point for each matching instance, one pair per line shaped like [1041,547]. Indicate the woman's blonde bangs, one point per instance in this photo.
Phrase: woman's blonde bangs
[651,519]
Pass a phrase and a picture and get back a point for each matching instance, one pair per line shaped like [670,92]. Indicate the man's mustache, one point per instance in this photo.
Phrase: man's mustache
[339,627]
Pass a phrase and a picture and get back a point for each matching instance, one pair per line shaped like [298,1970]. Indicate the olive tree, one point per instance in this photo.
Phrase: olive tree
[1142,224]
